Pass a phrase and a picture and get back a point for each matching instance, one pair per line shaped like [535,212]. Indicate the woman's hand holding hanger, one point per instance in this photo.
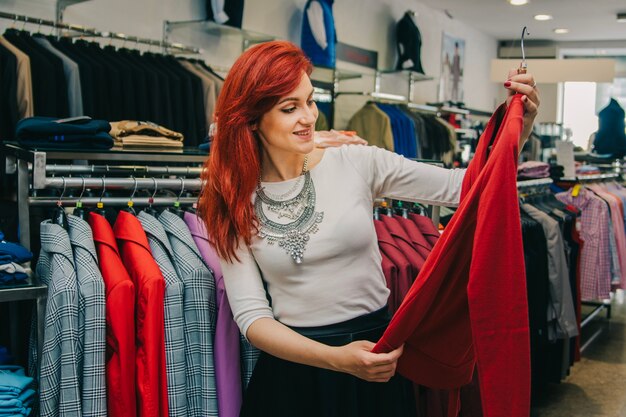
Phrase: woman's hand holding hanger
[526,85]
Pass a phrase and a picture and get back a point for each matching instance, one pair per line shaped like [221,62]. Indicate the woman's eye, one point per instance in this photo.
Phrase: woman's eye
[289,110]
[310,102]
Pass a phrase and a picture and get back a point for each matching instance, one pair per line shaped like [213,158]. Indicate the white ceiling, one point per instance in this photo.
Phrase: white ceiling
[585,19]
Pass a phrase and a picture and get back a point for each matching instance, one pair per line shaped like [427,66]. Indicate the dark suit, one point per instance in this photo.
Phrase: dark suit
[409,42]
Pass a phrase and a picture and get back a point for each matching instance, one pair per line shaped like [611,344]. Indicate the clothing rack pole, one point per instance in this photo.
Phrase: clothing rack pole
[592,177]
[56,169]
[94,32]
[191,184]
[534,183]
[112,201]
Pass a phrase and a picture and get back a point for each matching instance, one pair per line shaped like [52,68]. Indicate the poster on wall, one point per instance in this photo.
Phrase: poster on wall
[452,64]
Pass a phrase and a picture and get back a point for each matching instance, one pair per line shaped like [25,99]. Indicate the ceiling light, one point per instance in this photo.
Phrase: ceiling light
[518,2]
[621,17]
[543,17]
[561,31]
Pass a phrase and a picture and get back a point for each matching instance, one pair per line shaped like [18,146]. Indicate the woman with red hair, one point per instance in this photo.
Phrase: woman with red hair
[293,226]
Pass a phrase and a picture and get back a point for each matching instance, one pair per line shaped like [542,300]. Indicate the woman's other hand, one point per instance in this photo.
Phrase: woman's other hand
[524,84]
[357,359]
[334,138]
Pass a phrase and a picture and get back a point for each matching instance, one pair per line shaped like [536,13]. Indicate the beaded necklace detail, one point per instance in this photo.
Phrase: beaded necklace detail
[300,209]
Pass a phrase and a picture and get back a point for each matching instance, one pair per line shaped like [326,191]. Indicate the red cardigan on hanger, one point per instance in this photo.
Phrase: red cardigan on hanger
[468,305]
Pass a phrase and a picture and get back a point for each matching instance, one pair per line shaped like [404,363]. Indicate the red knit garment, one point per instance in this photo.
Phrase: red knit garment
[468,305]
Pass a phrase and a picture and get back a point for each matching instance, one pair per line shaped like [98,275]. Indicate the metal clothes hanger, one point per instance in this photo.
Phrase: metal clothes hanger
[523,67]
[79,211]
[130,203]
[58,215]
[100,205]
[151,210]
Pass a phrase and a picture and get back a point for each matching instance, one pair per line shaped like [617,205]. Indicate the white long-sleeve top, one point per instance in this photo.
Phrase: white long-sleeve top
[341,276]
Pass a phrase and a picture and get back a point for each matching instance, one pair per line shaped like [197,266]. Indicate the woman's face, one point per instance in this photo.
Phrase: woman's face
[290,124]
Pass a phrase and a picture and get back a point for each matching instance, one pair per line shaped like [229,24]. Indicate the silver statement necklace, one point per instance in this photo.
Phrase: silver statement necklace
[299,209]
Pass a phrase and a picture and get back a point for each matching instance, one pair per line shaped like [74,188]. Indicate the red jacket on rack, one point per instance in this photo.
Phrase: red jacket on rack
[150,288]
[468,305]
[120,307]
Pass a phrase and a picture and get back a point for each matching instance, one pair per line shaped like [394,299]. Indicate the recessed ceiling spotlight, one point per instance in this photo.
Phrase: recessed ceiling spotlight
[543,17]
[518,2]
[561,31]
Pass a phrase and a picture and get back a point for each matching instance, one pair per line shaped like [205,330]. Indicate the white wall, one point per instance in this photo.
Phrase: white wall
[365,23]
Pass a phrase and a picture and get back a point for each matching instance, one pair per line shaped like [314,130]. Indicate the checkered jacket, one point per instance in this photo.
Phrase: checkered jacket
[175,363]
[91,319]
[59,376]
[200,317]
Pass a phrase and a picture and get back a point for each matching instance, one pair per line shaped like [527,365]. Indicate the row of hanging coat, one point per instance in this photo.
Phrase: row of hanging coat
[137,321]
[406,131]
[46,76]
[405,239]
[552,246]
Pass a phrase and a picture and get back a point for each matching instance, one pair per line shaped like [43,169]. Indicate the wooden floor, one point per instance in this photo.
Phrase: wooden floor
[596,386]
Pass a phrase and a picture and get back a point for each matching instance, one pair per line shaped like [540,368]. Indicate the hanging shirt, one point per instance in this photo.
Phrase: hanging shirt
[469,304]
[561,311]
[318,37]
[617,219]
[595,257]
[200,316]
[120,330]
[373,125]
[72,75]
[151,377]
[226,352]
[404,277]
[91,318]
[25,101]
[59,376]
[174,319]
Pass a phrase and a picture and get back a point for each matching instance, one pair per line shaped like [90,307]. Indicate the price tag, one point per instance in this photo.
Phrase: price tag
[576,190]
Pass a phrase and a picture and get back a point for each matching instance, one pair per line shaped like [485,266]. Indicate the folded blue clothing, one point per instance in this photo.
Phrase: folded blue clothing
[14,252]
[37,127]
[11,411]
[12,379]
[6,278]
[67,133]
[25,397]
[101,140]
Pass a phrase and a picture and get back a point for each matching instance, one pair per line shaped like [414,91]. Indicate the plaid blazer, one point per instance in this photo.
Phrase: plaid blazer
[91,318]
[59,377]
[200,317]
[175,364]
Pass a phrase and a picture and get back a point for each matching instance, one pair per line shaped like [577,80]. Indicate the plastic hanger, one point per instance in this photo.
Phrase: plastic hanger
[58,215]
[130,203]
[79,211]
[100,205]
[151,210]
[176,209]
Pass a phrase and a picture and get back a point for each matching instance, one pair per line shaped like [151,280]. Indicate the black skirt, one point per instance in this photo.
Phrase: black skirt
[279,388]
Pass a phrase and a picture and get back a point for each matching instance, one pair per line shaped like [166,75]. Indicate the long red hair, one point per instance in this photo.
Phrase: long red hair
[258,79]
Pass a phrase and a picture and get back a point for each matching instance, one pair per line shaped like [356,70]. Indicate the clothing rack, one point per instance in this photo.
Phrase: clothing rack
[534,183]
[592,177]
[85,31]
[55,169]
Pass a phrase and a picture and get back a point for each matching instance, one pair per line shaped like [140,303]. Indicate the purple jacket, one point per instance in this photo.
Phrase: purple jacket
[226,342]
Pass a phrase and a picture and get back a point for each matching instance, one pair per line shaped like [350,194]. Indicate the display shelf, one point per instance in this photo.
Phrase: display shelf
[416,76]
[249,37]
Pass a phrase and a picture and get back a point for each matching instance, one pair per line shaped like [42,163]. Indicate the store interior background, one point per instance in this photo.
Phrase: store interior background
[370,24]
